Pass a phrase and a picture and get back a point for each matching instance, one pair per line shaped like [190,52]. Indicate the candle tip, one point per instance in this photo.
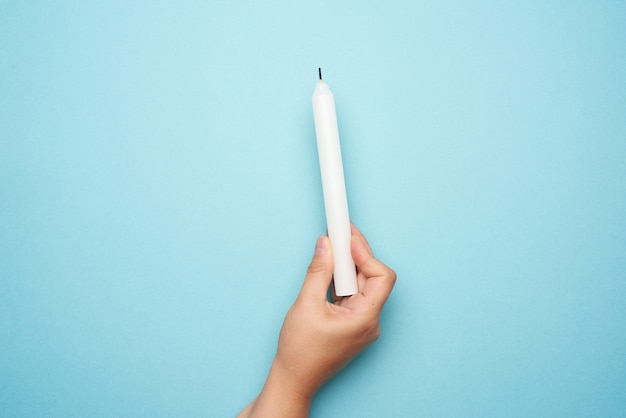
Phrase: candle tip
[320,72]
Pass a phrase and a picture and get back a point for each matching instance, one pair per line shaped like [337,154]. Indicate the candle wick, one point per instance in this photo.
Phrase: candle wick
[320,71]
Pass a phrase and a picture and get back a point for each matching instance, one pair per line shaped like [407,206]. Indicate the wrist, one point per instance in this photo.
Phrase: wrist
[281,397]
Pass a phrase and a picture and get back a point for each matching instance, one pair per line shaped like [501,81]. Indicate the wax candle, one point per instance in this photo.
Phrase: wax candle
[334,188]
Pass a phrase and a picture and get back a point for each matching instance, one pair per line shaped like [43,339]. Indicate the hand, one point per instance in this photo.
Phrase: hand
[318,337]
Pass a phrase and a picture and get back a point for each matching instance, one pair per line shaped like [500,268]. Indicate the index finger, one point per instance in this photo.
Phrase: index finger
[356,231]
[379,279]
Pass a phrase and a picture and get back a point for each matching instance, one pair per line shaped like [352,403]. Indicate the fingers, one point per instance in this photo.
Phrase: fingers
[355,231]
[320,271]
[379,279]
[375,280]
[360,279]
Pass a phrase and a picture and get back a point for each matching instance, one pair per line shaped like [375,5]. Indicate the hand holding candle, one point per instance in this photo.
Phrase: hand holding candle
[334,188]
[318,337]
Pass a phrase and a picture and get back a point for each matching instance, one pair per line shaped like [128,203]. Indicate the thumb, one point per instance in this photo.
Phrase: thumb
[320,271]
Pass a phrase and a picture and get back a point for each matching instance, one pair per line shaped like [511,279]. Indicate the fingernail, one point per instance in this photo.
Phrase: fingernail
[320,245]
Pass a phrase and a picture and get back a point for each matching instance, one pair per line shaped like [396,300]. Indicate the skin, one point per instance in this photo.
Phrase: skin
[319,337]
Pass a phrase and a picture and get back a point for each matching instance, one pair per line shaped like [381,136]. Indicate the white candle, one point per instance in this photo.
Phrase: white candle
[334,188]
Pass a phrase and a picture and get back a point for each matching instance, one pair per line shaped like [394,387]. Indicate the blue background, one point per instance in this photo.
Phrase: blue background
[160,200]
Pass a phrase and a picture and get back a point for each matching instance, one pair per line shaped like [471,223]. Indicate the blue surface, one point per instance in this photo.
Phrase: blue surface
[160,200]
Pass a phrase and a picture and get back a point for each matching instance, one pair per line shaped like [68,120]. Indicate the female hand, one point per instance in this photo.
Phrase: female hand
[320,337]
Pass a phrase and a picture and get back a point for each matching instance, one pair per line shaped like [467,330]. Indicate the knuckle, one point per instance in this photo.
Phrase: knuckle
[375,332]
[316,267]
[372,328]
